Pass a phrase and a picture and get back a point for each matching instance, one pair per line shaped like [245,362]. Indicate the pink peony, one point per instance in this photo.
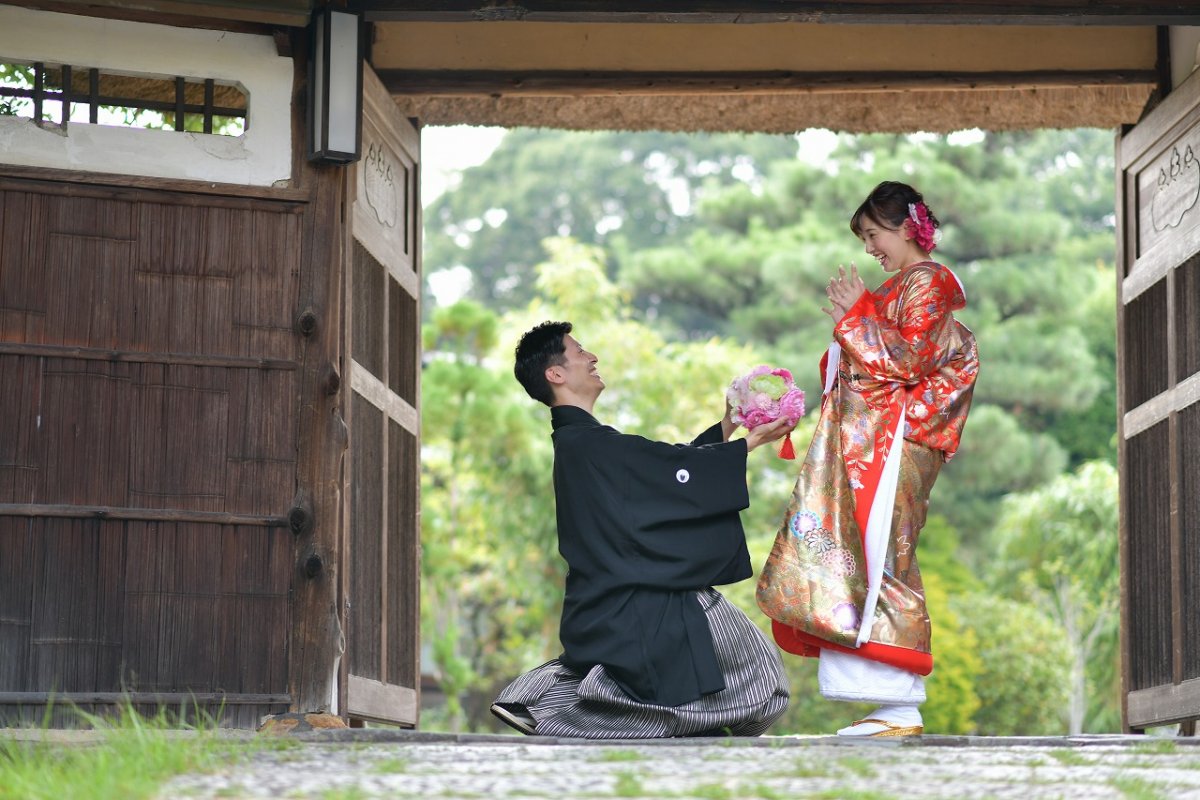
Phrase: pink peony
[755,417]
[791,405]
[763,395]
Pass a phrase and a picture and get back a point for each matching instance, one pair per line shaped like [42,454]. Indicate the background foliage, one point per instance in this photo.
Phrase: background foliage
[685,259]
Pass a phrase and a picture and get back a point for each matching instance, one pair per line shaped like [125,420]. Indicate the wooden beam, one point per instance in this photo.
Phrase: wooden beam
[1164,705]
[368,699]
[132,357]
[937,12]
[1161,406]
[226,15]
[379,395]
[139,514]
[140,698]
[122,187]
[477,83]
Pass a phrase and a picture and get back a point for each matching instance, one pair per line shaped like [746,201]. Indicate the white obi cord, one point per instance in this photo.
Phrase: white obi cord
[879,526]
[831,366]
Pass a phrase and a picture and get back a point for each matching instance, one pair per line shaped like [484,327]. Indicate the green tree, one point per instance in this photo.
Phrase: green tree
[1058,549]
[998,456]
[488,600]
[951,688]
[1024,681]
[624,191]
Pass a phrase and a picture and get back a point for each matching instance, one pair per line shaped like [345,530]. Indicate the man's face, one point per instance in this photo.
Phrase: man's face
[578,374]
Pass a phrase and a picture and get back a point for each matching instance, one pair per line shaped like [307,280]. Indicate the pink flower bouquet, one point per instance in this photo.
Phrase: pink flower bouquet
[764,395]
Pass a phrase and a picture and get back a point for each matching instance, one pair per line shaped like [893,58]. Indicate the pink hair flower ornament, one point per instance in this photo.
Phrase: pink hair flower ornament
[921,227]
[763,395]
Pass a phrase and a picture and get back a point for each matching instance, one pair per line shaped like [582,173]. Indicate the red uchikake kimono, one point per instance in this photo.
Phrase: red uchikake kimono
[847,549]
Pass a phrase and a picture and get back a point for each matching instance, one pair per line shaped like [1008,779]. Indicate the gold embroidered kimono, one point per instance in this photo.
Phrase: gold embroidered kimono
[847,549]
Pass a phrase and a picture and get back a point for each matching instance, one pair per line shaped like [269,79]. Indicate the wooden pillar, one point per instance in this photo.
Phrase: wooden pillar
[317,638]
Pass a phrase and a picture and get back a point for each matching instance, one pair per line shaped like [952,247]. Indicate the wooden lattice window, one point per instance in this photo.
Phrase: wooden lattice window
[59,94]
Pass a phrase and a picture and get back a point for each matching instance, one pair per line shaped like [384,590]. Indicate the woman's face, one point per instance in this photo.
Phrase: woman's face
[893,249]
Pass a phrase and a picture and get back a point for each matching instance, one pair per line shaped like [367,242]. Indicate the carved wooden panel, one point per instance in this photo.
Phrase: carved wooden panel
[1160,179]
[1168,191]
[386,188]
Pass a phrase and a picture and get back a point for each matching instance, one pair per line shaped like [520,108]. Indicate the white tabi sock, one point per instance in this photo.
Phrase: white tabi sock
[902,716]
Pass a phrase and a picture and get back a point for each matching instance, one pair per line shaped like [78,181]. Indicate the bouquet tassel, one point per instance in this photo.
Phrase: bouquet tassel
[786,450]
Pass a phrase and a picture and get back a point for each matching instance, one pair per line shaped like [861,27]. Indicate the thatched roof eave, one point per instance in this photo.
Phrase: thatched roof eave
[909,111]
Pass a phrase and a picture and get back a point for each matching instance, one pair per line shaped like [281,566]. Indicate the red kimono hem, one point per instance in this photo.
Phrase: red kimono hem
[800,643]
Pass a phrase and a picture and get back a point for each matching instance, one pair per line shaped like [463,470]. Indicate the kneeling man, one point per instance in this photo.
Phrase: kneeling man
[650,649]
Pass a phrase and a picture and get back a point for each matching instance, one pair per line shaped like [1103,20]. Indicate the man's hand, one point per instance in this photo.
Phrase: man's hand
[728,426]
[768,433]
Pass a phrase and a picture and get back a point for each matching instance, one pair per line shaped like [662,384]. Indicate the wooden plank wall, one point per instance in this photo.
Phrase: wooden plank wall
[148,445]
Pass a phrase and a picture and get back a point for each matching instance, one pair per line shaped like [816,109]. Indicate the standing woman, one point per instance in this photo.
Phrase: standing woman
[842,582]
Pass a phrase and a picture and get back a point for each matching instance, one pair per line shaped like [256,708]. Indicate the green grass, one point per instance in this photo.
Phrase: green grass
[857,765]
[347,793]
[1070,758]
[629,784]
[390,766]
[848,794]
[620,755]
[1162,747]
[133,757]
[715,791]
[804,768]
[1137,789]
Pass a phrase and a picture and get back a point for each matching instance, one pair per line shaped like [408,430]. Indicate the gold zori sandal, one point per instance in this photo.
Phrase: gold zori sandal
[891,729]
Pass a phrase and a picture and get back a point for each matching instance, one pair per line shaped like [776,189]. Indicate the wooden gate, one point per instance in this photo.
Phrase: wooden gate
[149,376]
[382,670]
[1158,217]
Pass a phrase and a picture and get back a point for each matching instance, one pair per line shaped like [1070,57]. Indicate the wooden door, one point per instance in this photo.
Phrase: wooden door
[1158,269]
[149,375]
[382,675]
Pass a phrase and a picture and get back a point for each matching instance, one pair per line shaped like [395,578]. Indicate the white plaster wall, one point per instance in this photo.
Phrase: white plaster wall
[1185,52]
[259,157]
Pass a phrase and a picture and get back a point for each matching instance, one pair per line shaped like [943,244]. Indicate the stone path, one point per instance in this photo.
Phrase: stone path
[357,764]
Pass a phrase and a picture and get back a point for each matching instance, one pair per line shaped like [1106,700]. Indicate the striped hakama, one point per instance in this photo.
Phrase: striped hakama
[592,706]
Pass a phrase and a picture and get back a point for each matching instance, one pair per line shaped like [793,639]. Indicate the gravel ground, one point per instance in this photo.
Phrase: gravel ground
[356,764]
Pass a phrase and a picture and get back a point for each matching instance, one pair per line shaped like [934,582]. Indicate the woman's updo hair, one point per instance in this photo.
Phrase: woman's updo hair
[887,204]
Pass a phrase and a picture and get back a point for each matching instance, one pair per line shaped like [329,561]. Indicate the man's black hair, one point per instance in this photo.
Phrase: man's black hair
[540,348]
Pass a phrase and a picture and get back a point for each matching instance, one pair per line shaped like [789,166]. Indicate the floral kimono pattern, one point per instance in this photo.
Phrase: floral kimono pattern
[898,383]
